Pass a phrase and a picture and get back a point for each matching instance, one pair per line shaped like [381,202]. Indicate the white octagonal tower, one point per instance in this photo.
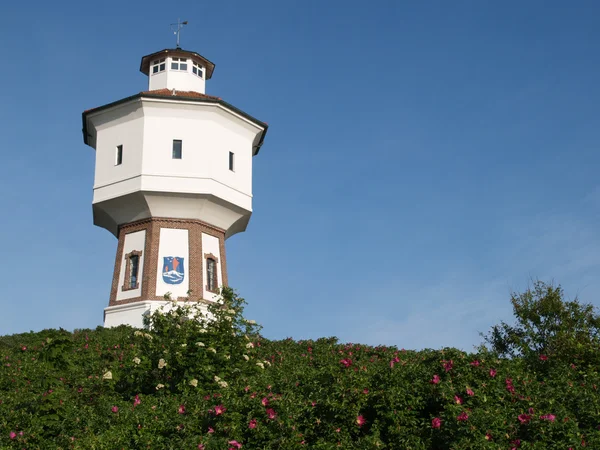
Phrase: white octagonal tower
[173,181]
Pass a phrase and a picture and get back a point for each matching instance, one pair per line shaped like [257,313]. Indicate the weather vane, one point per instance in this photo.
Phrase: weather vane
[176,29]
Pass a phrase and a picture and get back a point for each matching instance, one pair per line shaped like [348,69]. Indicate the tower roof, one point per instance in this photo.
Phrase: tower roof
[146,60]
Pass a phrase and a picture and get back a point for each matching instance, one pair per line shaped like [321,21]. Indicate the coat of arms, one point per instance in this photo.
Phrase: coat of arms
[173,270]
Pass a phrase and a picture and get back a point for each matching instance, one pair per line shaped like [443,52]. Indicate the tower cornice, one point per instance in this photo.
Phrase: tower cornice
[176,96]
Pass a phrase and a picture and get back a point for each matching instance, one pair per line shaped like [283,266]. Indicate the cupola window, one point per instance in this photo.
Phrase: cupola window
[197,69]
[158,66]
[179,64]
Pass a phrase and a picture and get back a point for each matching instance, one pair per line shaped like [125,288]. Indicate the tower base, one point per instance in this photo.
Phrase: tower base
[133,314]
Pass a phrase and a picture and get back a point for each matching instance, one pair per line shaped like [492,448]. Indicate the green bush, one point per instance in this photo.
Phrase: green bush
[191,382]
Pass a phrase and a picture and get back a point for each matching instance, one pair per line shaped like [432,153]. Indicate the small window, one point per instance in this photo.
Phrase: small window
[177,149]
[197,69]
[158,66]
[231,158]
[211,274]
[119,155]
[179,64]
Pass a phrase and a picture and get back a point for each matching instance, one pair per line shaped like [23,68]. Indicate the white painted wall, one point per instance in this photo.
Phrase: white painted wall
[157,80]
[133,241]
[210,244]
[122,125]
[208,134]
[173,242]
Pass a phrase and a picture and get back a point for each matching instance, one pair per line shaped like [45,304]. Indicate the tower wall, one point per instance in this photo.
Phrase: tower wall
[191,241]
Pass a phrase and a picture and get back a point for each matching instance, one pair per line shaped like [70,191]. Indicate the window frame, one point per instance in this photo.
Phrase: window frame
[158,66]
[197,70]
[173,154]
[177,63]
[119,155]
[128,278]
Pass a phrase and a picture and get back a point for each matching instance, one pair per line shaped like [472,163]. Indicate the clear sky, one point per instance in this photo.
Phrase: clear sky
[424,159]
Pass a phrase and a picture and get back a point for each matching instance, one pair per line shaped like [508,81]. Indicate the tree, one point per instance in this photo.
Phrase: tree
[547,326]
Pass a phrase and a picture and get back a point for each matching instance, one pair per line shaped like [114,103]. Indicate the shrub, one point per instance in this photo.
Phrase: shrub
[193,382]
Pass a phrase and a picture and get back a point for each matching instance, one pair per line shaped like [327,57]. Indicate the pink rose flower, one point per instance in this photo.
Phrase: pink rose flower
[436,422]
[448,365]
[524,418]
[360,421]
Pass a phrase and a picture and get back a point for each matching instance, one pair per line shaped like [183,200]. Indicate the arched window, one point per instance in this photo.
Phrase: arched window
[132,270]
[212,282]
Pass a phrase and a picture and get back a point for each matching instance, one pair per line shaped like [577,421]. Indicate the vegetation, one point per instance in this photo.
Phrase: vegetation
[217,384]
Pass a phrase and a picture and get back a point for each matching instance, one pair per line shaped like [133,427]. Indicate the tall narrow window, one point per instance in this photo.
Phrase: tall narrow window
[132,270]
[211,273]
[231,160]
[119,155]
[176,149]
[135,267]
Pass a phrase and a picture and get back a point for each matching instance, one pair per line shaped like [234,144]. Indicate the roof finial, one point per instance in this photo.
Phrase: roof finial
[176,28]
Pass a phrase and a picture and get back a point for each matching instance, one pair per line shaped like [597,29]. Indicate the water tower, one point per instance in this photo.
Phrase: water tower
[173,181]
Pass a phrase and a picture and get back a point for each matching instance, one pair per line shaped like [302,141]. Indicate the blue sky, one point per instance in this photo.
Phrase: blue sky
[424,159]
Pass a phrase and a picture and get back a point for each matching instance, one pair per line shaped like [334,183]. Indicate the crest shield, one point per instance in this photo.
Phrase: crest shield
[173,270]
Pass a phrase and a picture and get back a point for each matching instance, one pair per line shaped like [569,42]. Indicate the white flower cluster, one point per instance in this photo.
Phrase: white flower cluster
[142,334]
[161,363]
[107,376]
[137,360]
[194,382]
[220,382]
